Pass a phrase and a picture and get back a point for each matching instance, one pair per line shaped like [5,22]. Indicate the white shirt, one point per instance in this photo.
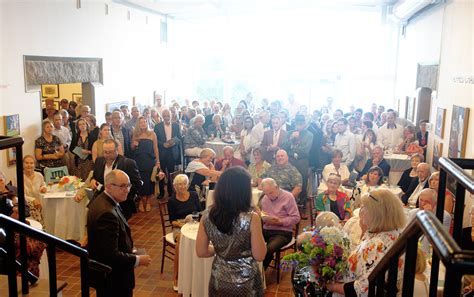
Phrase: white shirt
[168,131]
[257,132]
[330,168]
[63,134]
[346,143]
[390,137]
[414,196]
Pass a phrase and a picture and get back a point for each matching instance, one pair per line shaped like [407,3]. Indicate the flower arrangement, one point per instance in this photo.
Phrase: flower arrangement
[324,249]
[69,183]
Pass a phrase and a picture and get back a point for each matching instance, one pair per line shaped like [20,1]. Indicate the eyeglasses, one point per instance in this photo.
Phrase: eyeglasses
[370,195]
[123,186]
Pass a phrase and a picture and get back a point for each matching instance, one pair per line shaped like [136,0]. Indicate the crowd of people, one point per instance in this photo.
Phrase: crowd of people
[131,158]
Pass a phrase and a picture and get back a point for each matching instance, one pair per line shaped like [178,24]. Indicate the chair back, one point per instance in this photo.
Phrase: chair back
[54,174]
[164,217]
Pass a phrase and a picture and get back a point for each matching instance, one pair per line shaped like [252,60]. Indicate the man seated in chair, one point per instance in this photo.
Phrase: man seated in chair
[229,160]
[279,214]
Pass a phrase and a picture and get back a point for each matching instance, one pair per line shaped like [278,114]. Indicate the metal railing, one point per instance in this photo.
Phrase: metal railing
[446,248]
[12,226]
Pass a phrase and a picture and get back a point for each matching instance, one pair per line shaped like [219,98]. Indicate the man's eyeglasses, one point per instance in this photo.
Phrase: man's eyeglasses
[123,186]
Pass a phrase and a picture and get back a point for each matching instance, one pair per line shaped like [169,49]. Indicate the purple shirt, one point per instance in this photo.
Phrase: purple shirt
[234,162]
[284,207]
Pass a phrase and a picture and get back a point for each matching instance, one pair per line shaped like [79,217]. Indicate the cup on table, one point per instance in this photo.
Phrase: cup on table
[195,216]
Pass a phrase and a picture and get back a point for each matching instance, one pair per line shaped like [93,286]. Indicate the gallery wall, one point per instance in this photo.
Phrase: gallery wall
[445,36]
[127,40]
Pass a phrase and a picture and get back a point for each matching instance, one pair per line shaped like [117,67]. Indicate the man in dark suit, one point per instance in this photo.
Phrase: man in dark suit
[169,140]
[376,160]
[120,133]
[110,239]
[417,185]
[110,161]
[273,139]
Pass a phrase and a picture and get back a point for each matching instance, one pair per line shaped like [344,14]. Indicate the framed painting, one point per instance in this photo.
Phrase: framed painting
[411,109]
[12,128]
[77,97]
[50,91]
[458,132]
[440,116]
[437,153]
[115,105]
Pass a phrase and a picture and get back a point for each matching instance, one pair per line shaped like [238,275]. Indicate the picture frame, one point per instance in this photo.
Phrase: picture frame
[50,91]
[440,118]
[12,128]
[411,109]
[115,105]
[56,105]
[77,97]
[458,132]
[437,153]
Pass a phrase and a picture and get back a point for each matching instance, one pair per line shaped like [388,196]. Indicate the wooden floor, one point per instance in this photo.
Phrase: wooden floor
[146,233]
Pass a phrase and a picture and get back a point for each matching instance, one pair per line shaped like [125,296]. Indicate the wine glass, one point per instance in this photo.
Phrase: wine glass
[195,216]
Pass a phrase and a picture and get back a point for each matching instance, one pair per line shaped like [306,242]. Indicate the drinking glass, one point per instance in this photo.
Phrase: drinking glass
[195,216]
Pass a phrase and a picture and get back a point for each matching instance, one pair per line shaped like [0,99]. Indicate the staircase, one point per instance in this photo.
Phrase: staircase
[446,248]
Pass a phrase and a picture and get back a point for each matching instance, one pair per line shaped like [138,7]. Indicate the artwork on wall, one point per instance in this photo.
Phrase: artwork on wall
[12,128]
[437,153]
[458,132]
[115,105]
[440,116]
[411,109]
[50,91]
[77,97]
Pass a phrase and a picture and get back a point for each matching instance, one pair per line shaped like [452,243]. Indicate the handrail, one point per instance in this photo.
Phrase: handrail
[456,261]
[452,167]
[29,231]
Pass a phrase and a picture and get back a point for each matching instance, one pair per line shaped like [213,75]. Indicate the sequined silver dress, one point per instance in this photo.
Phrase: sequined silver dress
[234,271]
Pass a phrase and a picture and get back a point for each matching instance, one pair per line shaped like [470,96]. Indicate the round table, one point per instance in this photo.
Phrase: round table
[194,273]
[218,146]
[255,197]
[398,163]
[62,215]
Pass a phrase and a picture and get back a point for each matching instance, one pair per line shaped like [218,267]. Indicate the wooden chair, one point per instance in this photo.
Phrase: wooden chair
[281,252]
[169,244]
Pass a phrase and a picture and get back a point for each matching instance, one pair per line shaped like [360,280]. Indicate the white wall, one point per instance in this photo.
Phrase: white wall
[134,61]
[444,35]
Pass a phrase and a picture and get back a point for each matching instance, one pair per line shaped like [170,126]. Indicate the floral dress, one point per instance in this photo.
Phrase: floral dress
[366,256]
[47,147]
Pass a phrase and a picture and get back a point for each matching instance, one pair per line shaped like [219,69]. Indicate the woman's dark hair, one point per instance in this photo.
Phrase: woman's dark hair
[374,136]
[379,171]
[231,197]
[244,103]
[249,119]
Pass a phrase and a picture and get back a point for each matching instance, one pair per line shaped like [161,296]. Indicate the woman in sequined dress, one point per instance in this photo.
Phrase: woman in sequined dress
[236,234]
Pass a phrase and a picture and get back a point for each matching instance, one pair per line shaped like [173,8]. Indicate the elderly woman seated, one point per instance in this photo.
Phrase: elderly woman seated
[333,200]
[195,137]
[335,167]
[201,171]
[382,219]
[34,187]
[409,145]
[216,128]
[180,207]
[410,174]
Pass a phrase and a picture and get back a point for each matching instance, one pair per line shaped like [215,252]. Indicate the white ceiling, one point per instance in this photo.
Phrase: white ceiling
[196,9]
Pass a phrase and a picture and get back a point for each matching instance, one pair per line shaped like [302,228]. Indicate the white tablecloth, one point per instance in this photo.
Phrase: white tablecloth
[255,197]
[398,163]
[218,146]
[63,216]
[194,273]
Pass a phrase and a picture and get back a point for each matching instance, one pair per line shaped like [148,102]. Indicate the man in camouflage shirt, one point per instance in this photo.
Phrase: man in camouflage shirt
[286,175]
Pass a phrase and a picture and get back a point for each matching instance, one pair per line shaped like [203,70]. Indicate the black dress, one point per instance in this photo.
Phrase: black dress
[145,157]
[179,210]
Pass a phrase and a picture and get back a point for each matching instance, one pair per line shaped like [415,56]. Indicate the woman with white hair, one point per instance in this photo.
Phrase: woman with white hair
[382,219]
[334,200]
[202,170]
[216,128]
[195,137]
[180,207]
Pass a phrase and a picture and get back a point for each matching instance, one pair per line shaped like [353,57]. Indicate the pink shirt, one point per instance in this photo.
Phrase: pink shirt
[284,207]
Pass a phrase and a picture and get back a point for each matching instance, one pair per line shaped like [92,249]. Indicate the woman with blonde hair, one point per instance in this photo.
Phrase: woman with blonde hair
[334,200]
[34,187]
[382,219]
[181,205]
[97,147]
[145,147]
